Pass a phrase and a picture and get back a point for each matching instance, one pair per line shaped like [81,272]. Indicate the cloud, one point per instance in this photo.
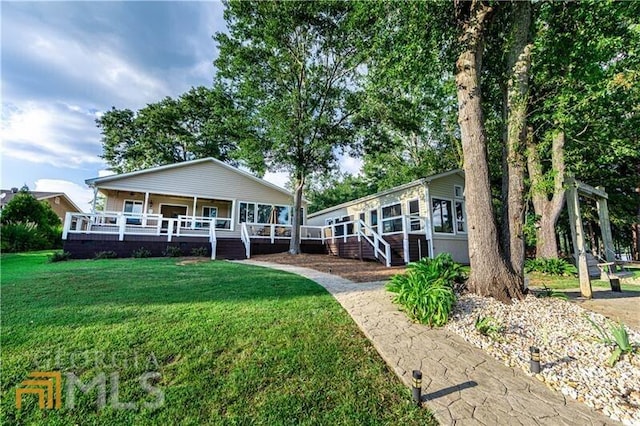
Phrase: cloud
[277,178]
[58,134]
[351,165]
[80,195]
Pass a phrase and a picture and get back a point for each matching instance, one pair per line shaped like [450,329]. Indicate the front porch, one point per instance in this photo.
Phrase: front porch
[84,234]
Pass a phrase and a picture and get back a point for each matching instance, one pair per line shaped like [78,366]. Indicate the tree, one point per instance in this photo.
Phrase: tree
[200,123]
[292,66]
[584,108]
[28,224]
[333,189]
[491,275]
[407,119]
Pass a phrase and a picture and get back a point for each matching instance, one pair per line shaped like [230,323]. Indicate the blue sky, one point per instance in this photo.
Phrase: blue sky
[63,63]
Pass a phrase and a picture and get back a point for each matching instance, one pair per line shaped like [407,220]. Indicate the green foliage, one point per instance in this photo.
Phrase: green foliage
[200,252]
[29,224]
[550,266]
[548,292]
[141,253]
[333,189]
[106,254]
[426,290]
[172,251]
[59,256]
[488,326]
[200,123]
[20,236]
[619,339]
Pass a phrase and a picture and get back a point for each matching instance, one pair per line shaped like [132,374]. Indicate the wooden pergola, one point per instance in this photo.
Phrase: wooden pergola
[574,190]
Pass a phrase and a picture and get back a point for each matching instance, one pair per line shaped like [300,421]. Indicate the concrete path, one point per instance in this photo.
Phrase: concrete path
[462,385]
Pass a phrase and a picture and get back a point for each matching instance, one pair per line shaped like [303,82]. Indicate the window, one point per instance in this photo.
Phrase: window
[414,210]
[328,222]
[282,215]
[458,191]
[442,220]
[373,219]
[391,225]
[361,217]
[264,213]
[132,207]
[247,212]
[461,223]
[210,211]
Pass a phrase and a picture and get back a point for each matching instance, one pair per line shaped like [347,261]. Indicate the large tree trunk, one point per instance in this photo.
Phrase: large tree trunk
[296,216]
[518,64]
[490,274]
[547,209]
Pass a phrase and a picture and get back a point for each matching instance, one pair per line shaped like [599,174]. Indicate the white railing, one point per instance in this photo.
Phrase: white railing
[377,240]
[214,241]
[246,239]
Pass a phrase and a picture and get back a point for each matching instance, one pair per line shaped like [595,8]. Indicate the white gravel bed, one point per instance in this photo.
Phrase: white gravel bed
[573,358]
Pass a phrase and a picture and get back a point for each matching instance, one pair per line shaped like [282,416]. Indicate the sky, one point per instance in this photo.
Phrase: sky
[64,63]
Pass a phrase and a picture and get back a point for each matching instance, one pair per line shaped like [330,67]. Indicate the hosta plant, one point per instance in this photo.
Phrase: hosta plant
[425,291]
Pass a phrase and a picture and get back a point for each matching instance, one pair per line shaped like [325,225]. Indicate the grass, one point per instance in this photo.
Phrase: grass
[537,279]
[233,344]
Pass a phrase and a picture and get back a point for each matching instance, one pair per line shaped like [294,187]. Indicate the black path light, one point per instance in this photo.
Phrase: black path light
[534,363]
[417,386]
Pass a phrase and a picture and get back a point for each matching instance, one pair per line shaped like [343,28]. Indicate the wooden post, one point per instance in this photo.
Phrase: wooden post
[605,227]
[577,234]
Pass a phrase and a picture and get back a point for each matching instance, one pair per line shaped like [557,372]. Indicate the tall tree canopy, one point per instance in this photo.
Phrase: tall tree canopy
[293,67]
[200,123]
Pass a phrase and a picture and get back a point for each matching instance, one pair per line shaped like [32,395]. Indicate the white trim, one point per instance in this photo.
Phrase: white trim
[451,214]
[265,203]
[169,194]
[209,207]
[423,181]
[124,202]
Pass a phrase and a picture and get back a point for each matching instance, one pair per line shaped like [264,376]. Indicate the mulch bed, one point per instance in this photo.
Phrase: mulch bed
[351,269]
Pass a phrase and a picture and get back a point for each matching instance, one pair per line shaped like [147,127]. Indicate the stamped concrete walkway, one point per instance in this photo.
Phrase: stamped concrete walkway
[462,385]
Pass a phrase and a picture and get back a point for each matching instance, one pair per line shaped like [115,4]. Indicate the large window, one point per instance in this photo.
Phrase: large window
[264,213]
[461,223]
[388,223]
[247,212]
[442,216]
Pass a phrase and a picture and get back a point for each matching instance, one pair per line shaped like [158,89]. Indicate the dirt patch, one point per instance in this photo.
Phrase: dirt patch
[192,260]
[354,270]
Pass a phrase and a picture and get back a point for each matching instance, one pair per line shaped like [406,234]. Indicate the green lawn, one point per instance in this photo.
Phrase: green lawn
[233,344]
[537,279]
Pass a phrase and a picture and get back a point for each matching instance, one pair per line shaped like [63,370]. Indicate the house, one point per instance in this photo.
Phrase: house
[59,201]
[193,204]
[421,218]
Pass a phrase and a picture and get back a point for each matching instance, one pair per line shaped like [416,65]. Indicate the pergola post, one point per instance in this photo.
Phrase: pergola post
[605,227]
[577,233]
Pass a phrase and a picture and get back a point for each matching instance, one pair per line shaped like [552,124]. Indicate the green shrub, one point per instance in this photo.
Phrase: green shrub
[426,290]
[141,253]
[59,256]
[200,252]
[550,267]
[22,236]
[107,254]
[619,339]
[172,251]
[488,326]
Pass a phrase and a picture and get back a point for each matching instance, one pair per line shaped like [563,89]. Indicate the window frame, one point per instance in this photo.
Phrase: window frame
[451,217]
[414,224]
[464,216]
[391,218]
[455,191]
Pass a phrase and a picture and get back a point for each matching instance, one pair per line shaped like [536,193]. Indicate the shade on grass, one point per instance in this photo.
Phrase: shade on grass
[232,343]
